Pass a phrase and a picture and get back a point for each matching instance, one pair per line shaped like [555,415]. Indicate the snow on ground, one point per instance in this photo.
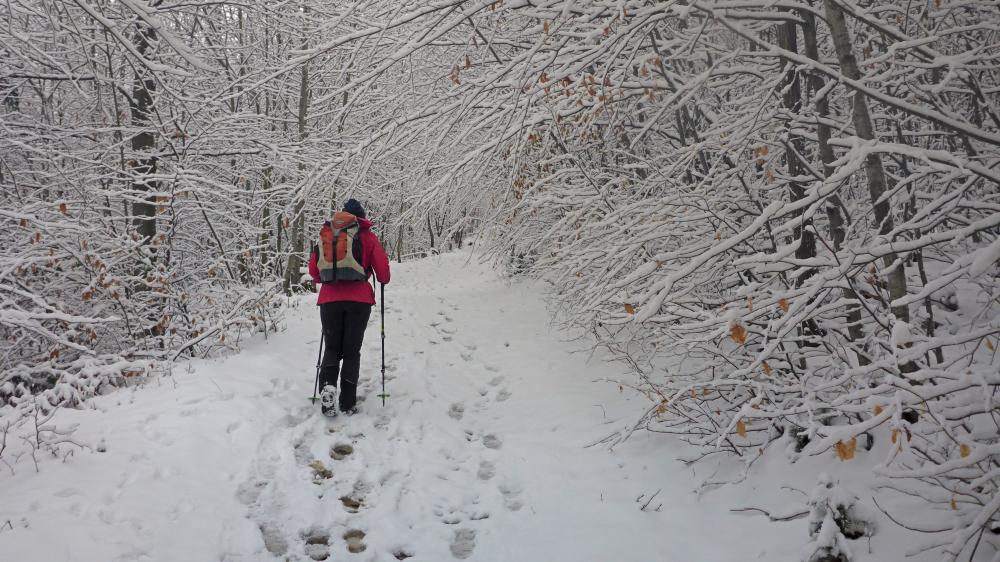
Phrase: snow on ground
[479,454]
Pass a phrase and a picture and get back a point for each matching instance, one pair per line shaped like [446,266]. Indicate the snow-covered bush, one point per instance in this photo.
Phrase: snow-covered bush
[834,518]
[28,432]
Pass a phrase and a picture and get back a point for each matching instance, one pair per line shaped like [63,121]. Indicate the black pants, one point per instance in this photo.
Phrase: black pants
[344,326]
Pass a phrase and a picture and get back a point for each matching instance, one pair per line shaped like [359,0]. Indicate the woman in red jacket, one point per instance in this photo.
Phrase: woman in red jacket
[344,309]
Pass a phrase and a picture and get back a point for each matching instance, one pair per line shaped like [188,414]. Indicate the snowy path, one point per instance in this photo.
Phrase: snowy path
[478,455]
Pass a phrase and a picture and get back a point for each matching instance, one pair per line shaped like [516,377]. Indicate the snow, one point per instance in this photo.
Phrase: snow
[481,453]
[985,259]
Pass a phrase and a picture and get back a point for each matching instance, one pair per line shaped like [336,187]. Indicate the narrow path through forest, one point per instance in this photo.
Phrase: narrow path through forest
[479,454]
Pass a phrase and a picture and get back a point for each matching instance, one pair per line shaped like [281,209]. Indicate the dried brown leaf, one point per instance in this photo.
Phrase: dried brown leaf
[845,451]
[738,333]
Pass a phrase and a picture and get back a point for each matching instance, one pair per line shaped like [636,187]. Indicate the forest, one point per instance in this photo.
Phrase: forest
[781,216]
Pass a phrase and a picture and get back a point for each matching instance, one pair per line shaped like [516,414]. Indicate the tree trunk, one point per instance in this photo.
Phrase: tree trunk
[297,241]
[838,230]
[877,184]
[143,143]
[792,100]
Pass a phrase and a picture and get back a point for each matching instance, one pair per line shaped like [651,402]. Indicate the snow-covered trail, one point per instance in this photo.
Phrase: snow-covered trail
[479,453]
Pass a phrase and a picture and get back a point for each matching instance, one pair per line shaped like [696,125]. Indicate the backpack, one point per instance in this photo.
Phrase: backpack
[339,252]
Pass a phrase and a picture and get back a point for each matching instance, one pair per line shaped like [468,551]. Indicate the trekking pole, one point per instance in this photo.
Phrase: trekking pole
[319,365]
[383,395]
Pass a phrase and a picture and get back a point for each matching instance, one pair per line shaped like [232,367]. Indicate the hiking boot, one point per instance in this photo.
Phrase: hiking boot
[350,411]
[328,401]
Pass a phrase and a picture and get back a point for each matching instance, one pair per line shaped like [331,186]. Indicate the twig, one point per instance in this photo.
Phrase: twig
[645,505]
[909,527]
[605,439]
[791,517]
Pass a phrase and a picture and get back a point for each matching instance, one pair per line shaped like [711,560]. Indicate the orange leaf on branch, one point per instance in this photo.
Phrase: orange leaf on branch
[845,451]
[738,333]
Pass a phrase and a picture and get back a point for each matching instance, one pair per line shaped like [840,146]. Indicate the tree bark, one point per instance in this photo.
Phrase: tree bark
[836,220]
[792,101]
[298,225]
[143,143]
[877,183]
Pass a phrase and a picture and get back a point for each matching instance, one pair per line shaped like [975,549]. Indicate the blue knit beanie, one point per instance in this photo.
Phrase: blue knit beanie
[354,207]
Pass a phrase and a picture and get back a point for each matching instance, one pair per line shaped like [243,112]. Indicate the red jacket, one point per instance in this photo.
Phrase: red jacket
[374,259]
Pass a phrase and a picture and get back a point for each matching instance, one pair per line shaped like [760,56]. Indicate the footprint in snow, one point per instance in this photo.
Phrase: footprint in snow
[341,451]
[361,489]
[403,553]
[451,518]
[511,496]
[487,470]
[320,472]
[456,411]
[491,441]
[495,381]
[351,505]
[317,544]
[274,541]
[463,542]
[491,369]
[302,453]
[248,492]
[354,538]
[503,395]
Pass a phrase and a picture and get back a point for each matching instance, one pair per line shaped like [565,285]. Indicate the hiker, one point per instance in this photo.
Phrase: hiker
[345,300]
